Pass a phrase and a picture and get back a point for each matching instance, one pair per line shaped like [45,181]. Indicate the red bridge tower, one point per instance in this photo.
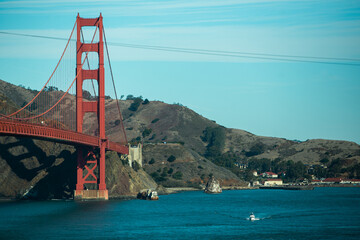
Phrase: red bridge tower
[87,160]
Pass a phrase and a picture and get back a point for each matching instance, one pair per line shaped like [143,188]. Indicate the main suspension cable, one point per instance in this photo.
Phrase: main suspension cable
[62,55]
[37,116]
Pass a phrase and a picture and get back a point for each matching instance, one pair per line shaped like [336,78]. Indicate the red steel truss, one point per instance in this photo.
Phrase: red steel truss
[10,127]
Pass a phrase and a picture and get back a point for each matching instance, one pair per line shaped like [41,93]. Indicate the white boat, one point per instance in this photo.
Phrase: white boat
[252,217]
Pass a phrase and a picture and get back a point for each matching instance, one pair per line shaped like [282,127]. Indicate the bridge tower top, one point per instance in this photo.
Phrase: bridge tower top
[97,74]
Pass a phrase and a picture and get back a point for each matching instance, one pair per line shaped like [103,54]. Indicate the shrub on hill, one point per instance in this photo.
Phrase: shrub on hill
[135,105]
[135,166]
[178,175]
[171,158]
[156,176]
[146,132]
[215,137]
[256,149]
[155,120]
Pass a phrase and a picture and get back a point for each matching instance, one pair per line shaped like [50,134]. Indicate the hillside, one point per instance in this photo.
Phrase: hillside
[174,123]
[200,142]
[167,123]
[17,94]
[32,168]
[174,165]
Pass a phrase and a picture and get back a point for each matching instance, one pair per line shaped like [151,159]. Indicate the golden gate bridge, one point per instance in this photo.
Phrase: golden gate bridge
[71,108]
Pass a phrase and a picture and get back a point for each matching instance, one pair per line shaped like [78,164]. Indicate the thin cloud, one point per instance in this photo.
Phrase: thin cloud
[127,8]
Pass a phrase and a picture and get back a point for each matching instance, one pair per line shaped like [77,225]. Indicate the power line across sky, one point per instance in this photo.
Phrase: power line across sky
[236,54]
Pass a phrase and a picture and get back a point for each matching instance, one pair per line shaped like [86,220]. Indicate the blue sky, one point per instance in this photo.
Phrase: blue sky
[293,100]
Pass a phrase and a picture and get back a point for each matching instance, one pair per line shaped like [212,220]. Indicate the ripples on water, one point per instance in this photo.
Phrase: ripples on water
[324,213]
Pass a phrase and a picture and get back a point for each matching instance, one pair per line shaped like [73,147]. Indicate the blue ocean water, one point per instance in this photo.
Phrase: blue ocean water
[324,213]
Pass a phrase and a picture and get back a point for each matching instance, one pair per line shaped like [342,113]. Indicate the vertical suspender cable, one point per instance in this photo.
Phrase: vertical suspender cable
[112,77]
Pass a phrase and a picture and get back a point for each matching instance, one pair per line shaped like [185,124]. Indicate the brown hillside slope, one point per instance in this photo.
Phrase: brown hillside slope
[17,94]
[168,123]
[157,122]
[173,123]
[194,168]
[313,151]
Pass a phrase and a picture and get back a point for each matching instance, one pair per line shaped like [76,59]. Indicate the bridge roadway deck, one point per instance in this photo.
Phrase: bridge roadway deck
[33,130]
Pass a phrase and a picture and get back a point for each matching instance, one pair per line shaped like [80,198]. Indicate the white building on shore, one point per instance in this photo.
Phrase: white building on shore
[273,182]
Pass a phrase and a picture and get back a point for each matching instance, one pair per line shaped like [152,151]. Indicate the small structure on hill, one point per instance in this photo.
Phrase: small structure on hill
[270,175]
[213,186]
[135,155]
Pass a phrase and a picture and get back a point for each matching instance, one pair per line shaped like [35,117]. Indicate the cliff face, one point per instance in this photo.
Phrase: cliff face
[31,168]
[122,180]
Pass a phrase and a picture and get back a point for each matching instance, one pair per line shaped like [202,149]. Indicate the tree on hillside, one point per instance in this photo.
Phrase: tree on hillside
[215,137]
[334,170]
[319,171]
[130,97]
[249,176]
[51,89]
[324,161]
[295,170]
[178,175]
[354,171]
[146,132]
[171,158]
[256,149]
[261,165]
[135,105]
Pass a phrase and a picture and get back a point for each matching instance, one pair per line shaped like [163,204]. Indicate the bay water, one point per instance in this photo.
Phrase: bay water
[323,213]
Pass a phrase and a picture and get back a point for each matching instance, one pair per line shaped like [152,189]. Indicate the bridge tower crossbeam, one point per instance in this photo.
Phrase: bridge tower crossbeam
[97,107]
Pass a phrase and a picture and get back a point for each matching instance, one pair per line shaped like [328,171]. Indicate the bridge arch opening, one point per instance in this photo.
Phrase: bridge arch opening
[91,62]
[88,33]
